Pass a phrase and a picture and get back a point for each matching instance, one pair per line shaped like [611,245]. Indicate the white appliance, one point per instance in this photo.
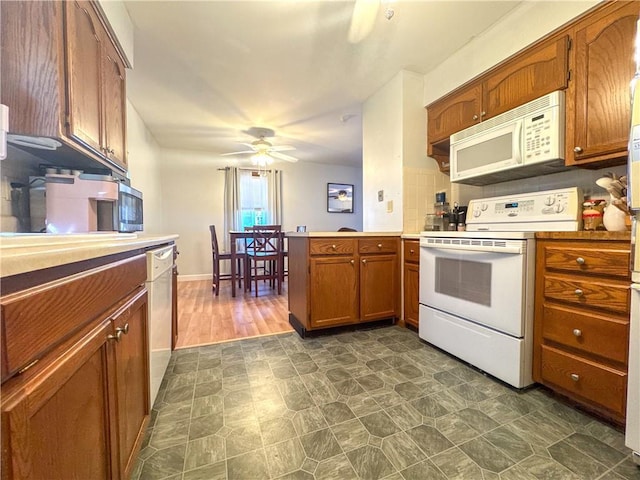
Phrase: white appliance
[632,437]
[520,143]
[4,128]
[477,287]
[159,266]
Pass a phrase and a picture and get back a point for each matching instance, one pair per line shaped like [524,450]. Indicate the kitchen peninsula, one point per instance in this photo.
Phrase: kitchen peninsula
[74,352]
[343,278]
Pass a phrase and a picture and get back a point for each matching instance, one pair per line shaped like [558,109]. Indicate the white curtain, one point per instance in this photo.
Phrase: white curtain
[275,196]
[231,204]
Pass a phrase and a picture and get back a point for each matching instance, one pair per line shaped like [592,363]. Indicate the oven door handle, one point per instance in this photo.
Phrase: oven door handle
[515,250]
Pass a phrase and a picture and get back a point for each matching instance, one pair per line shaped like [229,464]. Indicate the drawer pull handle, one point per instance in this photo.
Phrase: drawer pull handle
[412,252]
[115,337]
[333,247]
[575,377]
[124,329]
[577,149]
[353,262]
[577,332]
[578,292]
[364,261]
[580,261]
[379,245]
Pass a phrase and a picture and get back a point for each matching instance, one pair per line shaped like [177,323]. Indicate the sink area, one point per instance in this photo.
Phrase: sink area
[25,240]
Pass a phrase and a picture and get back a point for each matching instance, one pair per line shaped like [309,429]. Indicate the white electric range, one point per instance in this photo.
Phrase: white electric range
[476,287]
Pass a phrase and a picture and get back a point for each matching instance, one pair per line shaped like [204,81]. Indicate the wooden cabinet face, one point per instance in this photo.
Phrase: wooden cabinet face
[454,113]
[132,374]
[378,287]
[411,293]
[334,298]
[541,70]
[59,427]
[114,106]
[84,74]
[604,68]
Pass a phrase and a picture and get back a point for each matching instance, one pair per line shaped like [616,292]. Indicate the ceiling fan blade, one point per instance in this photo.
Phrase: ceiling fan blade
[363,19]
[248,145]
[282,156]
[236,153]
[282,148]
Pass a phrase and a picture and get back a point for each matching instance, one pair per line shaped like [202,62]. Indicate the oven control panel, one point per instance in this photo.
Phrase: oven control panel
[536,211]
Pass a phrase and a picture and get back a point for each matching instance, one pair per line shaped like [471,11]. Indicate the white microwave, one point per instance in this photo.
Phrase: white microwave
[523,142]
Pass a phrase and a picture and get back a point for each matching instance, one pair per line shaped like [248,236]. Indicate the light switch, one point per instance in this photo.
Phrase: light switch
[380,195]
[390,206]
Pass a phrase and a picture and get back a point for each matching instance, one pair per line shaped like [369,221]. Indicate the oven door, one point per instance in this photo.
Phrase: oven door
[483,282]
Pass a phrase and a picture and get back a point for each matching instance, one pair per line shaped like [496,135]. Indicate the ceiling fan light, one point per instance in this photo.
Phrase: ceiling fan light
[261,159]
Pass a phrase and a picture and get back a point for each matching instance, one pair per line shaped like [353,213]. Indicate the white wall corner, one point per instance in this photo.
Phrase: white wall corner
[120,21]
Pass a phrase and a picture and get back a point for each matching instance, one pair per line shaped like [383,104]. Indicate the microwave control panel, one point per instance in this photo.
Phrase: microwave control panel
[541,139]
[548,206]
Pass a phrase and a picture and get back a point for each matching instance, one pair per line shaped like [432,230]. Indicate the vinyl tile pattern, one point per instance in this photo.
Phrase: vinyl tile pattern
[368,404]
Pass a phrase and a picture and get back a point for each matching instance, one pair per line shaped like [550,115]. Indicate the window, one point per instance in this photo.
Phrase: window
[254,199]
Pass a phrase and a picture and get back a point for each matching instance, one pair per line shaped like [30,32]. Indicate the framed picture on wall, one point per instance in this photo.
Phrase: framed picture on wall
[339,198]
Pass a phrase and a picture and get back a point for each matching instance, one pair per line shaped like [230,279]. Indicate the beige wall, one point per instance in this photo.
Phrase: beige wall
[144,171]
[393,137]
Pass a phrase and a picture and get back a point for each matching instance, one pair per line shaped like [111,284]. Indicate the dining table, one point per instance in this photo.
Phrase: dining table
[234,237]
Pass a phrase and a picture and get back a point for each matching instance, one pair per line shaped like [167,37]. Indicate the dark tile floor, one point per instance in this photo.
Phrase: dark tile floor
[368,404]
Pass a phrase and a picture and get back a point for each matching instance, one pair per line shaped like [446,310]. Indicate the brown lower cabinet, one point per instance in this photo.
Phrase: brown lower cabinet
[79,408]
[337,281]
[411,289]
[581,332]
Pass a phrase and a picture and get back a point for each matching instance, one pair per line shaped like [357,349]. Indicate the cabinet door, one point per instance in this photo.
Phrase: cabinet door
[604,68]
[454,113]
[57,425]
[84,73]
[115,107]
[132,377]
[334,291]
[378,287]
[533,73]
[411,292]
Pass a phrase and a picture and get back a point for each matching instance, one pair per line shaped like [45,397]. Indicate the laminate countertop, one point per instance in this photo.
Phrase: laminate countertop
[342,234]
[596,235]
[22,253]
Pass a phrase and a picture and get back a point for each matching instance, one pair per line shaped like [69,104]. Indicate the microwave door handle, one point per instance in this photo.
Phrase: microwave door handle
[517,143]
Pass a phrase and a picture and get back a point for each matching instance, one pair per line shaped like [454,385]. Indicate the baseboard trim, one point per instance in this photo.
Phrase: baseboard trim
[195,278]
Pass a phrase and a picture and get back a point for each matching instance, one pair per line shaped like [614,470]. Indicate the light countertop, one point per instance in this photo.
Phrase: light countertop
[21,253]
[343,234]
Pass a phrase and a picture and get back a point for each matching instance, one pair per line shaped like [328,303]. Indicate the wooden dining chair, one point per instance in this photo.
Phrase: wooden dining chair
[218,256]
[264,256]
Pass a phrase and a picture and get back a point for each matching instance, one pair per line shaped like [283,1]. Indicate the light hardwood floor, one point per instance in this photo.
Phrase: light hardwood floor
[204,319]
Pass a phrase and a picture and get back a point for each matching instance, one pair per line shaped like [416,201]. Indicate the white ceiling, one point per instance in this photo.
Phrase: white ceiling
[207,71]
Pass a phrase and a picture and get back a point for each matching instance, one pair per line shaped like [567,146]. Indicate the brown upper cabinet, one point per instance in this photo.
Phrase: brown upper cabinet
[598,113]
[591,57]
[532,73]
[63,77]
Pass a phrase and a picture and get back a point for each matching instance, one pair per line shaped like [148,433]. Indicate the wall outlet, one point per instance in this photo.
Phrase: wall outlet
[390,206]
[380,195]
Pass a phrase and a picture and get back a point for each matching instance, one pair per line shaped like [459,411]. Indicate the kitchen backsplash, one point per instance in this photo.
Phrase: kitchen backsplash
[421,184]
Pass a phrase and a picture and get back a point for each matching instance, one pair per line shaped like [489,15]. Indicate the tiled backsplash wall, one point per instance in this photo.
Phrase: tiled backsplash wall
[421,184]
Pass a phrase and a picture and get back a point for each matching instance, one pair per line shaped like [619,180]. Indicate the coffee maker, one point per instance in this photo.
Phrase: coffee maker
[80,203]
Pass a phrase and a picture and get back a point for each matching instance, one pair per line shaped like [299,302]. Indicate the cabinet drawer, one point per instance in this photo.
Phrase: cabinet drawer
[599,295]
[412,251]
[36,320]
[332,246]
[596,261]
[378,245]
[595,382]
[597,335]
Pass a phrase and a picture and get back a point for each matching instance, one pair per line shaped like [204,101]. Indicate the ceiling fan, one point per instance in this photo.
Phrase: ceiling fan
[264,152]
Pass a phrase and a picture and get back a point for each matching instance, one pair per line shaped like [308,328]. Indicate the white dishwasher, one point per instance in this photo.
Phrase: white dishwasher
[159,266]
